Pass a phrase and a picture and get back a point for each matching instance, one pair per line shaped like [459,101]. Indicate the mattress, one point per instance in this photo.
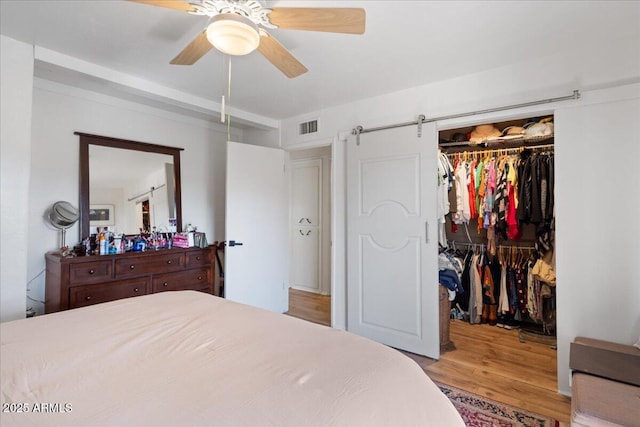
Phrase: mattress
[192,359]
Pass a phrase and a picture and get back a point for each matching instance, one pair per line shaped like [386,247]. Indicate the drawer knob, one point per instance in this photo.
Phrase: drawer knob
[132,266]
[136,290]
[169,262]
[165,284]
[88,298]
[199,277]
[92,271]
[198,258]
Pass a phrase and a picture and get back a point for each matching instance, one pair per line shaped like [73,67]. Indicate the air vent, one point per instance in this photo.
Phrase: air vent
[309,127]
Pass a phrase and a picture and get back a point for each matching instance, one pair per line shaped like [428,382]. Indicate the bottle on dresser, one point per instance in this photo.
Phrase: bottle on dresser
[103,244]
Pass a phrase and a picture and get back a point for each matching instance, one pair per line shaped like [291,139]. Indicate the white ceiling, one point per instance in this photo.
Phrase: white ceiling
[406,44]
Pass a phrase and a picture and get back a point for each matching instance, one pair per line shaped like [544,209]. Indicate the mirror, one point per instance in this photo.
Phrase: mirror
[128,186]
[136,194]
[62,215]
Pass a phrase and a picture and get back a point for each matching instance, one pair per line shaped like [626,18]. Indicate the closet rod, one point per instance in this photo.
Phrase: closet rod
[471,244]
[523,139]
[358,130]
[499,150]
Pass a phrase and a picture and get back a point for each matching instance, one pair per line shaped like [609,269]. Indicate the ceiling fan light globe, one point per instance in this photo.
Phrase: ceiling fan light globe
[233,34]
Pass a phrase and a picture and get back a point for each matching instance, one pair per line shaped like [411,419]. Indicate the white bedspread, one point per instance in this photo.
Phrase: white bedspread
[192,359]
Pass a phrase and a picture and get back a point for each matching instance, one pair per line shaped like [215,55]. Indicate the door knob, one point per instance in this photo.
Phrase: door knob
[234,243]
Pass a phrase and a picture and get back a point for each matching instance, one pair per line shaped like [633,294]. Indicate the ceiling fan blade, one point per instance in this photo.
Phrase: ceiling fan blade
[194,51]
[332,20]
[279,56]
[170,4]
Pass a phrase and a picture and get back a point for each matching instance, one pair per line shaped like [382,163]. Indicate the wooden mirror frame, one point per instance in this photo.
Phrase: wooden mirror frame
[87,139]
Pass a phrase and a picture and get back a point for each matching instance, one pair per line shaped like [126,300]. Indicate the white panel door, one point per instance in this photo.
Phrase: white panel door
[305,259]
[306,229]
[392,289]
[306,176]
[257,232]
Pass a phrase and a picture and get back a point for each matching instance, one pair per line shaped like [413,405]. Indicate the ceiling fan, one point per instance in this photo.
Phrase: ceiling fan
[237,27]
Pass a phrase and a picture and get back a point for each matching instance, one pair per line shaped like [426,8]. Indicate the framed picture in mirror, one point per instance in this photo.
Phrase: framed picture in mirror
[101,215]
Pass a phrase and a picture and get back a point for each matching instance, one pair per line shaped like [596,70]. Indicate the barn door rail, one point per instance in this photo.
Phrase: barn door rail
[359,130]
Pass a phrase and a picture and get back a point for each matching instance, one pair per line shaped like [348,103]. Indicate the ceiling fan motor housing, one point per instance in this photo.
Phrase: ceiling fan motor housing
[250,9]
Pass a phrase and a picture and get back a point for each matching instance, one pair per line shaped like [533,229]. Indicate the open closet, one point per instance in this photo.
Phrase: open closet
[496,225]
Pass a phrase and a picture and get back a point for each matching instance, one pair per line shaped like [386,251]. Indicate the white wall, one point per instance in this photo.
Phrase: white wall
[266,138]
[597,224]
[594,66]
[16,82]
[59,111]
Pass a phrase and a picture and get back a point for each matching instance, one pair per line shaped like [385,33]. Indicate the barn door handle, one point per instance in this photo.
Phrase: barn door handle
[233,243]
[426,231]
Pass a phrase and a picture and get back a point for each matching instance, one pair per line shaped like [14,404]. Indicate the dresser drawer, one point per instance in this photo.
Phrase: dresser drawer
[90,272]
[196,279]
[136,266]
[197,258]
[80,296]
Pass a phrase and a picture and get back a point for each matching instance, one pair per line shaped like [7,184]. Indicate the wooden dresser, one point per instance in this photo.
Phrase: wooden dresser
[79,281]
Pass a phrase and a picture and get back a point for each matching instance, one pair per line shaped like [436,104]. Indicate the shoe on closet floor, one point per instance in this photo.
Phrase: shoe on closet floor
[485,314]
[493,314]
[512,324]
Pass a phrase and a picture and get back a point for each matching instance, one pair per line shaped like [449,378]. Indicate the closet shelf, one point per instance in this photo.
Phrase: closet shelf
[495,144]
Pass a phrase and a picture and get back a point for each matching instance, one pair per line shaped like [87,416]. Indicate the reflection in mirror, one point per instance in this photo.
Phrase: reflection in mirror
[130,191]
[128,186]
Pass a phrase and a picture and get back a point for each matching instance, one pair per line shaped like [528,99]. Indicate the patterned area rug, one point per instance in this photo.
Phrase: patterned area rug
[478,411]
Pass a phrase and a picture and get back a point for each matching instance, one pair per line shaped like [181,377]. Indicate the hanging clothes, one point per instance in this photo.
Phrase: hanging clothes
[504,193]
[501,201]
[462,299]
[445,178]
[503,300]
[475,297]
[461,176]
[473,211]
[535,195]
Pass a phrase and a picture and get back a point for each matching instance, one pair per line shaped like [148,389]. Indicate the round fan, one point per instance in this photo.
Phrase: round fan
[238,27]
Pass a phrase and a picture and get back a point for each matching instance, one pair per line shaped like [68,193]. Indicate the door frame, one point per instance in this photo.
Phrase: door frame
[504,115]
[322,258]
[337,220]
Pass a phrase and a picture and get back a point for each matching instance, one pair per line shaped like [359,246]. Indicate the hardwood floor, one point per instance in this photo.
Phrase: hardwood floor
[309,306]
[492,362]
[482,359]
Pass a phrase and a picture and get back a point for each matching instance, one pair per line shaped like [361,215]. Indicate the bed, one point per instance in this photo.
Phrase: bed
[187,358]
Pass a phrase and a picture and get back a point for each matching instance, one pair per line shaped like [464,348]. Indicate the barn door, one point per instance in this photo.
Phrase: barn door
[392,289]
